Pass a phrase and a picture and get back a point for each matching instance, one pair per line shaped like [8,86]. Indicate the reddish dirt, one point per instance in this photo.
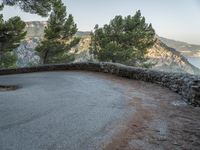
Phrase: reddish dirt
[134,128]
[161,121]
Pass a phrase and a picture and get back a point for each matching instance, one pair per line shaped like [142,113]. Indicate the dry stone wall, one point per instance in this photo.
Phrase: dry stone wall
[184,84]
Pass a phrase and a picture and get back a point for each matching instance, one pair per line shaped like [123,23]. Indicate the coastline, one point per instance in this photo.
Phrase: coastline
[194,61]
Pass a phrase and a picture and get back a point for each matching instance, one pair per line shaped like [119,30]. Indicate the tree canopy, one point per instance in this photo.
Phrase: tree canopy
[124,40]
[1,7]
[40,7]
[59,35]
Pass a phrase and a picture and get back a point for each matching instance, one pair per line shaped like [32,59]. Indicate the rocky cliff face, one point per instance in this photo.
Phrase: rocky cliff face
[165,58]
[168,59]
[26,53]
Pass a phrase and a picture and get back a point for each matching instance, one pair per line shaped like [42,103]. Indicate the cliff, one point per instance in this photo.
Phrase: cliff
[165,58]
[168,59]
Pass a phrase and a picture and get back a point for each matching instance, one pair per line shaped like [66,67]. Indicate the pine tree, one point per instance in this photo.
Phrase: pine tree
[124,40]
[11,34]
[59,36]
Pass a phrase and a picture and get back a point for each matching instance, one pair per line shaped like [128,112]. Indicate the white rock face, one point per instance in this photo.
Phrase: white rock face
[26,53]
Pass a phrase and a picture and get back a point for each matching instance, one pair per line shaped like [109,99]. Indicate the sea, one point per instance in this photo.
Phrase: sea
[195,61]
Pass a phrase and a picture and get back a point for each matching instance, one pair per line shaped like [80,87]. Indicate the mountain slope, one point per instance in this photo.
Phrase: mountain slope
[166,58]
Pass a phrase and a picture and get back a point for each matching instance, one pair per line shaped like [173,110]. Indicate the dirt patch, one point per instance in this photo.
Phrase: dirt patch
[162,120]
[133,129]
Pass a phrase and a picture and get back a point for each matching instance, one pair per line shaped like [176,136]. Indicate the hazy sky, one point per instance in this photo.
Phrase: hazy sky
[176,19]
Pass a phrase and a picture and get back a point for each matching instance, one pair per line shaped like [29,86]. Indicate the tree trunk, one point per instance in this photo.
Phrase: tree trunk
[45,57]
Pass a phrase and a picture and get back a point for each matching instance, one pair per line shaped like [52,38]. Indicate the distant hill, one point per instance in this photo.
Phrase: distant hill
[183,47]
[83,33]
[36,29]
[169,59]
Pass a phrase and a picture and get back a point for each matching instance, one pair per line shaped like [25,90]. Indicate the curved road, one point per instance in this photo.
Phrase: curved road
[90,111]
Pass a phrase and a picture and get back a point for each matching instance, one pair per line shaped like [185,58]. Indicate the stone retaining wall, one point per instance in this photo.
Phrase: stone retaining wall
[184,84]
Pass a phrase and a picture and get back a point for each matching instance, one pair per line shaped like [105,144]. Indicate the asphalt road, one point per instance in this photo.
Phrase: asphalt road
[77,110]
